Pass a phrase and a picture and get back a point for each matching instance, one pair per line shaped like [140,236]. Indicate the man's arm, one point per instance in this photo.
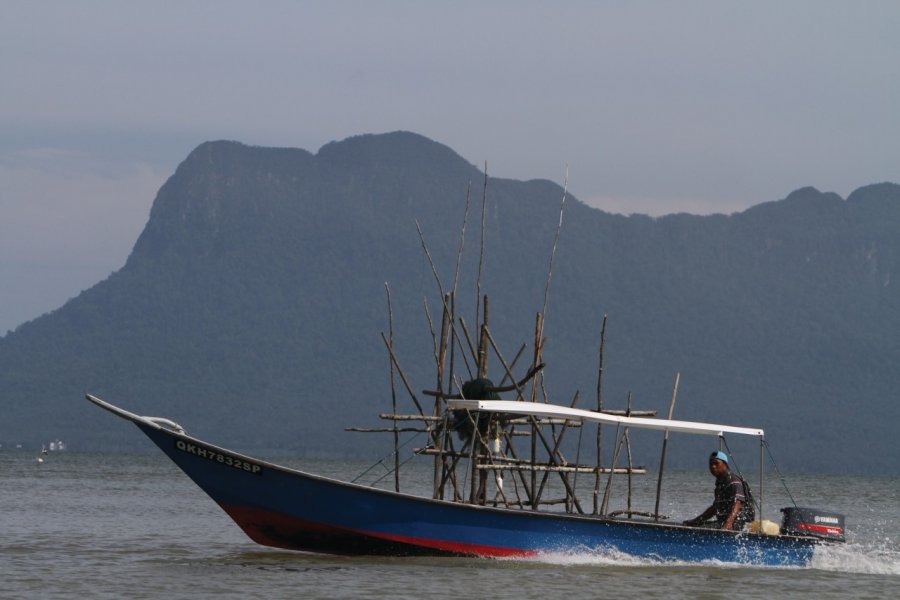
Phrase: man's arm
[705,516]
[735,511]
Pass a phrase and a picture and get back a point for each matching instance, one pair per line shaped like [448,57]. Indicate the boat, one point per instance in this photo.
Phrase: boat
[501,484]
[290,509]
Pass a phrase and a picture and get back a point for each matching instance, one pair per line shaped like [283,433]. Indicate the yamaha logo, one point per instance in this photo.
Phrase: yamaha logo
[830,520]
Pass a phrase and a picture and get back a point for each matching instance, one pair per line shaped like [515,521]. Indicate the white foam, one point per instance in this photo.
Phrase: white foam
[601,557]
[616,558]
[875,557]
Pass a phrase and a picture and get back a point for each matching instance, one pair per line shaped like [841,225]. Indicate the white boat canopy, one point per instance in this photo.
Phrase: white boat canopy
[539,409]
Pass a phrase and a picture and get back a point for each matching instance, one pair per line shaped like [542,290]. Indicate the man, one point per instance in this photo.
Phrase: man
[733,504]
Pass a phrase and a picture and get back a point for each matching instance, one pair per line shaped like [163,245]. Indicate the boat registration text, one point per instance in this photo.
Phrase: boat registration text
[219,457]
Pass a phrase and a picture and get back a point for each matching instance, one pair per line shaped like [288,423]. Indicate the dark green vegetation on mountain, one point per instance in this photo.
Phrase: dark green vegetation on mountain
[251,306]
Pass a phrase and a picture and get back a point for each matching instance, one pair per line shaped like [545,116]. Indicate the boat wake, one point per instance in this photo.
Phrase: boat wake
[875,557]
[606,557]
[880,558]
[613,558]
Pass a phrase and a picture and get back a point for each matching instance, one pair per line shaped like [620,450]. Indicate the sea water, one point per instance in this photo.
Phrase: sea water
[133,526]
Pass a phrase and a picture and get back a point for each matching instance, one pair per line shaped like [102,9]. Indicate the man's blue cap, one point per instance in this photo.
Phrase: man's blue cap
[719,456]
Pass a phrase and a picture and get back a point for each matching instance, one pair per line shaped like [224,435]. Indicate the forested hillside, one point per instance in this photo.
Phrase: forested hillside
[251,307]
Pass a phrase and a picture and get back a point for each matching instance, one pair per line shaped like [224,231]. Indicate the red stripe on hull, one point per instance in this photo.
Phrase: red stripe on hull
[458,547]
[281,531]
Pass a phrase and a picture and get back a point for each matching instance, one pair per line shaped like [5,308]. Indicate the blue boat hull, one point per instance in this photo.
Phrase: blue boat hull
[286,508]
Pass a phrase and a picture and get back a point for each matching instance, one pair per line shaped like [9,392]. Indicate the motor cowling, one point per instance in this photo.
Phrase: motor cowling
[813,522]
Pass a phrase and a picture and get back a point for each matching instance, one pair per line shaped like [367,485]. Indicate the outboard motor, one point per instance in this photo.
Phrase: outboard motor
[813,522]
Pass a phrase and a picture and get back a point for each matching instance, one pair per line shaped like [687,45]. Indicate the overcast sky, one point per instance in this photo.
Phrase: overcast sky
[654,107]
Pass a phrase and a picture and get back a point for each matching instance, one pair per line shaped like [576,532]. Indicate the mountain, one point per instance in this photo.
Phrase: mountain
[251,307]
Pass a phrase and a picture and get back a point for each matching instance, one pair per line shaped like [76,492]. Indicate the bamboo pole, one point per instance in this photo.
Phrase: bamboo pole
[446,323]
[552,459]
[482,353]
[566,469]
[452,337]
[393,391]
[482,344]
[538,348]
[388,430]
[473,458]
[628,455]
[483,445]
[430,261]
[519,500]
[448,469]
[508,368]
[615,459]
[599,409]
[472,350]
[538,333]
[409,389]
[430,321]
[437,279]
[462,238]
[452,307]
[562,205]
[512,463]
[552,502]
[612,470]
[662,456]
[761,467]
[449,472]
[557,442]
[481,250]
[425,418]
[512,365]
[438,401]
[577,458]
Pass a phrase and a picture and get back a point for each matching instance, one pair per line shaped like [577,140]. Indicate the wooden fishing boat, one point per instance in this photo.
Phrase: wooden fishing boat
[287,508]
[470,512]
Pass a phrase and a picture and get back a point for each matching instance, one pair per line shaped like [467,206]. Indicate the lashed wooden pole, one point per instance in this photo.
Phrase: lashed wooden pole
[462,238]
[628,454]
[599,427]
[557,443]
[393,391]
[612,467]
[662,456]
[482,373]
[403,378]
[482,344]
[538,332]
[481,251]
[438,401]
[562,206]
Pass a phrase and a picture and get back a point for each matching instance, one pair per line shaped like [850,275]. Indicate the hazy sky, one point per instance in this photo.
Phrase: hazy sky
[654,107]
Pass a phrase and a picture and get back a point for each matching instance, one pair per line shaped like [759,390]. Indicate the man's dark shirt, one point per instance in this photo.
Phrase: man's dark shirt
[730,487]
